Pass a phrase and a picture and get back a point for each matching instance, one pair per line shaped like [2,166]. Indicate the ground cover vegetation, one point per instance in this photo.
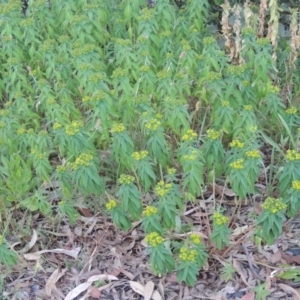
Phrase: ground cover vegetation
[140,107]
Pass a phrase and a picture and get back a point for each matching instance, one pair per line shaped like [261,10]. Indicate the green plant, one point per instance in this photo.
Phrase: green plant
[271,219]
[220,233]
[8,257]
[260,292]
[227,272]
[191,257]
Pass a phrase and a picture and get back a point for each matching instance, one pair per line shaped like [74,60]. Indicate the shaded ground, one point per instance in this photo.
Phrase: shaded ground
[93,246]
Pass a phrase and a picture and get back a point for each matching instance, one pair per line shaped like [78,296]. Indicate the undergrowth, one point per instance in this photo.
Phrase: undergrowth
[110,100]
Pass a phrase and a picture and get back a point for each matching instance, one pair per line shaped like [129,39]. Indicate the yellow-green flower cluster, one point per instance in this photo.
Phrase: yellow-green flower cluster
[74,127]
[159,116]
[154,239]
[236,69]
[8,104]
[248,107]
[6,8]
[117,128]
[153,124]
[142,98]
[56,126]
[118,72]
[86,99]
[236,144]
[147,14]
[180,75]
[166,33]
[162,188]
[195,238]
[253,129]
[274,205]
[21,131]
[292,155]
[163,74]
[248,31]
[220,219]
[190,135]
[191,157]
[245,82]
[212,76]
[43,133]
[186,47]
[111,204]
[42,82]
[263,41]
[140,155]
[2,124]
[126,179]
[96,77]
[13,61]
[4,112]
[171,171]
[61,59]
[145,69]
[78,19]
[291,111]
[98,96]
[296,185]
[50,101]
[238,164]
[213,134]
[186,254]
[169,55]
[27,22]
[47,45]
[30,131]
[83,49]
[209,40]
[149,211]
[253,154]
[83,160]
[61,203]
[37,154]
[274,89]
[225,103]
[63,38]
[122,42]
[60,168]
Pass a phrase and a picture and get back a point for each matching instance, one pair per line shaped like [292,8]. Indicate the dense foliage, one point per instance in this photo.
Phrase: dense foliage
[111,100]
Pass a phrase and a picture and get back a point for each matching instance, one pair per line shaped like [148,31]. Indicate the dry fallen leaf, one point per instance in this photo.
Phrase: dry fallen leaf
[224,190]
[239,230]
[102,277]
[249,296]
[95,293]
[289,289]
[137,287]
[290,259]
[238,269]
[31,243]
[78,290]
[276,257]
[148,290]
[34,256]
[156,296]
[55,276]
